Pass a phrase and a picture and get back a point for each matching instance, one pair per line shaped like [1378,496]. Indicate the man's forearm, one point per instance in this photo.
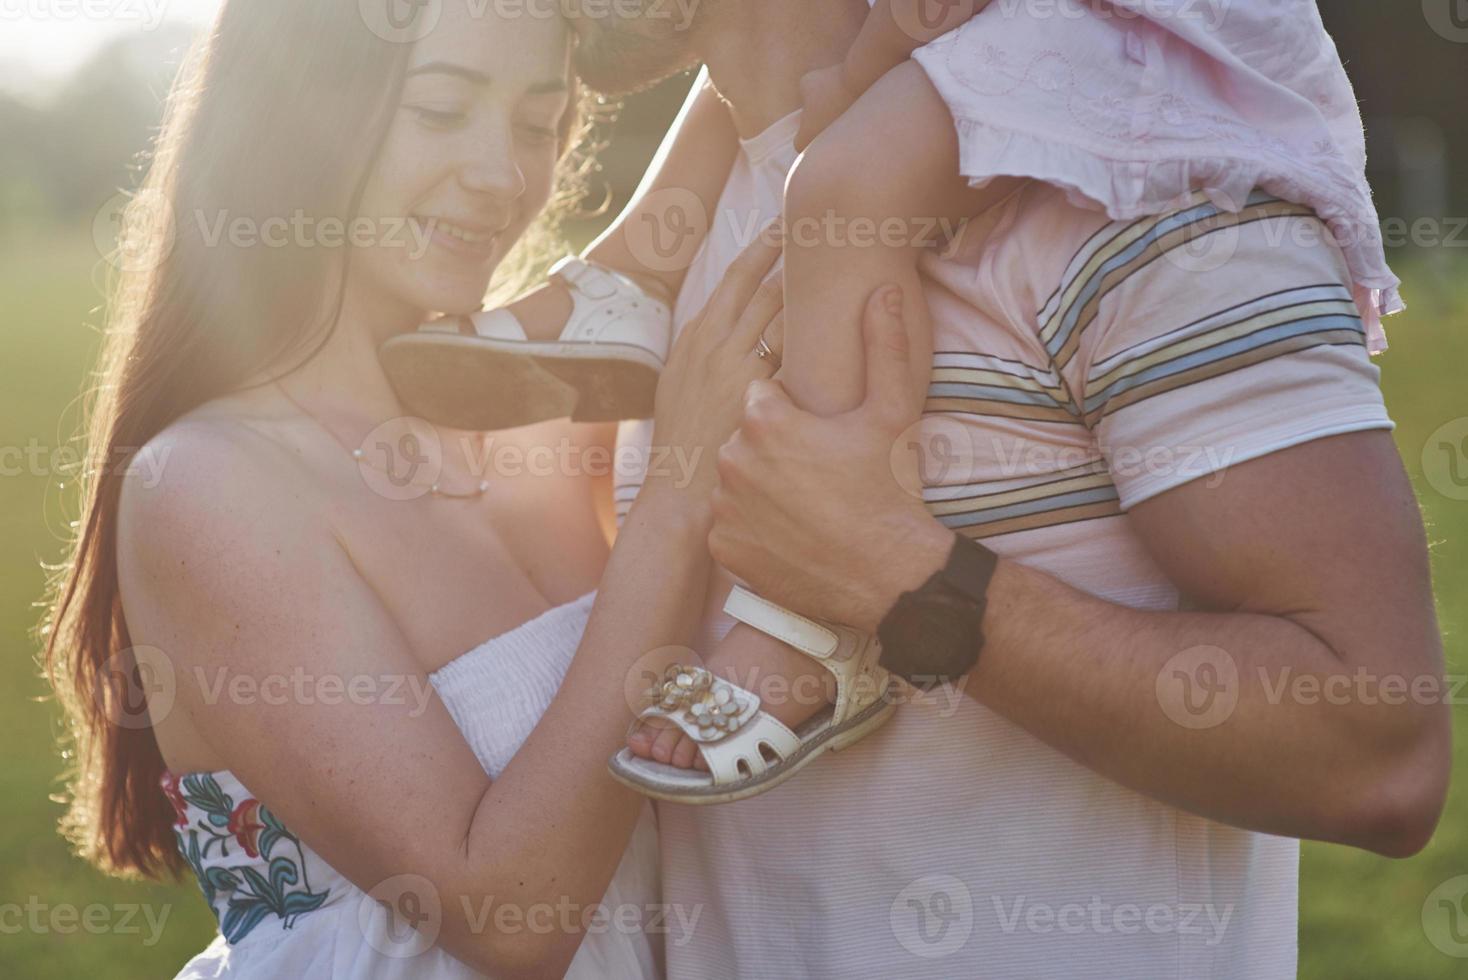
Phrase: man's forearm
[1240,717]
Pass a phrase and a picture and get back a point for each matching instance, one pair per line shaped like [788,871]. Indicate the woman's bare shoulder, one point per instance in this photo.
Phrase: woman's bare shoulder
[215,481]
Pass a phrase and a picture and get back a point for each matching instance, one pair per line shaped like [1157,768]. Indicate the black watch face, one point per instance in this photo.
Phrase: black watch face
[931,640]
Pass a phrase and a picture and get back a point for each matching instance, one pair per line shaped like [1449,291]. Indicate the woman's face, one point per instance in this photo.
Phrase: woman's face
[468,162]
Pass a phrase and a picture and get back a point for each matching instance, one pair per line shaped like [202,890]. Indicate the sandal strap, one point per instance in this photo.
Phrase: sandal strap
[724,758]
[851,656]
[498,324]
[608,305]
[590,279]
[732,741]
[597,281]
[805,635]
[706,707]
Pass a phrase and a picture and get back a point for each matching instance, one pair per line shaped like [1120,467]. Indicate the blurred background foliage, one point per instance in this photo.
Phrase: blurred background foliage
[68,148]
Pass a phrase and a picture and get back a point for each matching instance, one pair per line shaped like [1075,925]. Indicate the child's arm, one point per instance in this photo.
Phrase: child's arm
[897,28]
[656,236]
[891,33]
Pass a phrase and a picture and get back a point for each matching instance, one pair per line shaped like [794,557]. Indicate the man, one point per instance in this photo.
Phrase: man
[1117,790]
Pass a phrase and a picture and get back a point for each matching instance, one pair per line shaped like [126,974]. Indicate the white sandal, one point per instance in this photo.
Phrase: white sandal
[747,750]
[481,372]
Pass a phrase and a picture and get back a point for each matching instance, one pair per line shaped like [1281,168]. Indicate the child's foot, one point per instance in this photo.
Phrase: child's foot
[544,311]
[752,739]
[590,348]
[791,686]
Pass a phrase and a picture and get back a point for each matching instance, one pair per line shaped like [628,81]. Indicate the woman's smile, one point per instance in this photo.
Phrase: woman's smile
[465,238]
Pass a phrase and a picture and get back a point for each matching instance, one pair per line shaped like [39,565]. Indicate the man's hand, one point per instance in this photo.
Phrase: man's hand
[825,515]
[1298,580]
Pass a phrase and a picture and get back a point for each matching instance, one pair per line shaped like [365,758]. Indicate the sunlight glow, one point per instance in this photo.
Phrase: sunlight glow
[42,41]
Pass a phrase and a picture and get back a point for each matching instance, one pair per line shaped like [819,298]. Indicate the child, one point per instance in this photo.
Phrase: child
[1128,112]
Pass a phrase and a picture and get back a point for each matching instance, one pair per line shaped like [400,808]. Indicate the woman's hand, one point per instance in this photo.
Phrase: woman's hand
[713,362]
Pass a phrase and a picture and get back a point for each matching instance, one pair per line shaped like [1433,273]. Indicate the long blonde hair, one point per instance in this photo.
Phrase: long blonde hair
[282,105]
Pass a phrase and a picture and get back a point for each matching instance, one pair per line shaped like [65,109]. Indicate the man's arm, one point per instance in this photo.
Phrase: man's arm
[1310,563]
[1306,701]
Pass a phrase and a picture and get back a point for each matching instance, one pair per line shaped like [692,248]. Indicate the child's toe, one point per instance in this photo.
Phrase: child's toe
[685,752]
[640,741]
[663,745]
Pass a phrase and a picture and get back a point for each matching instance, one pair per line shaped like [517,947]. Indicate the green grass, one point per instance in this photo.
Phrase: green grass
[1360,915]
[49,287]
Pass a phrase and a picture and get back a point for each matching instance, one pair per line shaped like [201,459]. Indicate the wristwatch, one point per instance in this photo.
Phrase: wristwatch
[934,633]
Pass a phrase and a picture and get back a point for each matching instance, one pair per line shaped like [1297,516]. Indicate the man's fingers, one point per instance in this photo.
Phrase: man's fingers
[889,395]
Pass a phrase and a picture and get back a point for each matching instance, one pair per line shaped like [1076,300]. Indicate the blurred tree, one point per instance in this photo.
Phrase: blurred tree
[65,158]
[1410,81]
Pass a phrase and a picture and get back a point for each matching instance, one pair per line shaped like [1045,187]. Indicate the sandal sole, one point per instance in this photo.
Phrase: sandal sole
[871,718]
[484,385]
[609,389]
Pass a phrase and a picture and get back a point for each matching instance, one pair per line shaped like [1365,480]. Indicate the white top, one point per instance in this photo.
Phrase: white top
[1077,375]
[252,869]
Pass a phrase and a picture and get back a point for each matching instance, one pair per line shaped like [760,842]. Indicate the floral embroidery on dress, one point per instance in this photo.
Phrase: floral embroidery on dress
[267,872]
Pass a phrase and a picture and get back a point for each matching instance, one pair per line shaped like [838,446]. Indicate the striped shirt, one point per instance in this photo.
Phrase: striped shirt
[1083,366]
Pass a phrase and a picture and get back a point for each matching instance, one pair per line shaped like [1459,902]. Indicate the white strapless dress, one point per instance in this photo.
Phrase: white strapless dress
[285,913]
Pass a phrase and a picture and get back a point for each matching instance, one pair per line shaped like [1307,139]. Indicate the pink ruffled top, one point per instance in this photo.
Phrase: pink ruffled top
[1131,105]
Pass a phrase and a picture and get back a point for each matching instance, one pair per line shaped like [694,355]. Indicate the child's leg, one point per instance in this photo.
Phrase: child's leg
[886,170]
[544,311]
[657,234]
[889,164]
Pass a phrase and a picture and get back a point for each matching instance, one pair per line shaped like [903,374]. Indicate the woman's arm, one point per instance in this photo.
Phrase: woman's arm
[656,236]
[236,577]
[228,568]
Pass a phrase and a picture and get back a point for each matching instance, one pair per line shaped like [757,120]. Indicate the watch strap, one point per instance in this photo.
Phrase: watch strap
[969,569]
[934,633]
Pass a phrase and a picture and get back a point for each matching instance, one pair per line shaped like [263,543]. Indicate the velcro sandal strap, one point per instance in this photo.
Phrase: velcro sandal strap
[851,656]
[591,280]
[599,282]
[806,635]
[499,325]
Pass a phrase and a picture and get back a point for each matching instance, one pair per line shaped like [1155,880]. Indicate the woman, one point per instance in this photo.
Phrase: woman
[308,556]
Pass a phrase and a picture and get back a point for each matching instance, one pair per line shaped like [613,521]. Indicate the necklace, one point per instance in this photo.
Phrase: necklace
[359,456]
